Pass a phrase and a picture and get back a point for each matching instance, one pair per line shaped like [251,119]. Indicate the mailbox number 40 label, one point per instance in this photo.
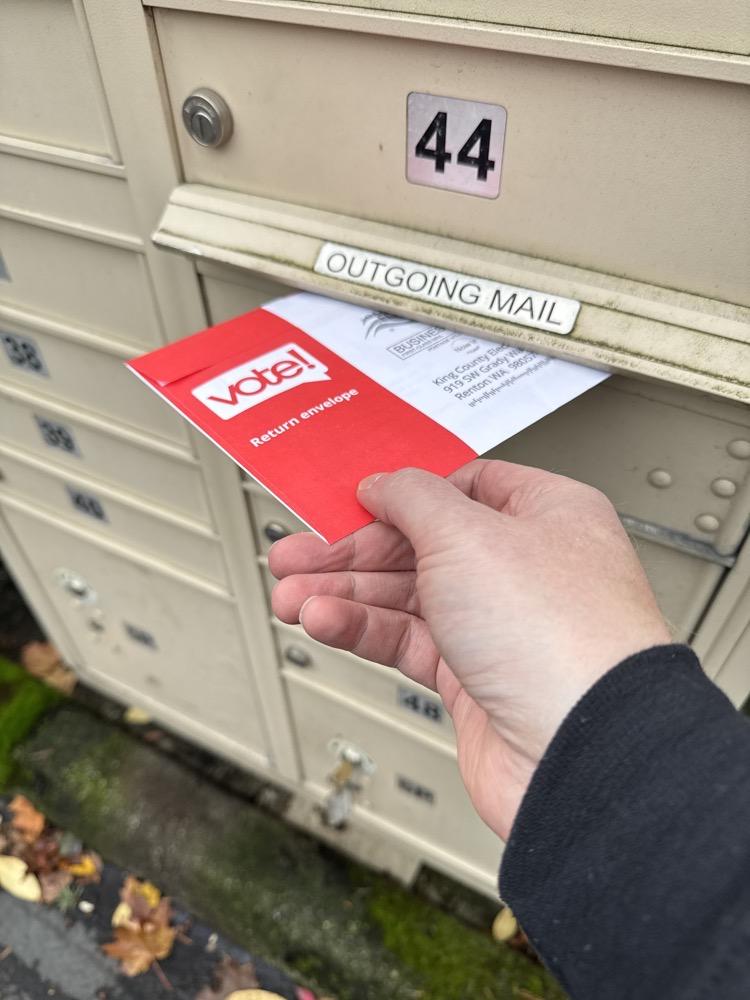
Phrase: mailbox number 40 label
[454,144]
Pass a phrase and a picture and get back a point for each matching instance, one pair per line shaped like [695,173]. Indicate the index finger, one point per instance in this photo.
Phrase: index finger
[376,547]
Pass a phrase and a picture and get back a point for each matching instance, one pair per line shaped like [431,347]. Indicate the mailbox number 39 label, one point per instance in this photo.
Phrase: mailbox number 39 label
[454,144]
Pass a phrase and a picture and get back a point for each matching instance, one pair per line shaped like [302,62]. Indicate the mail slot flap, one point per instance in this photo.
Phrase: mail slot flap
[622,325]
[636,170]
[724,25]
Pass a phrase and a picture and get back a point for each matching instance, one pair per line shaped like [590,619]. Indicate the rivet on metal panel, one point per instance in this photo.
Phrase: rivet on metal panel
[207,118]
[275,530]
[739,448]
[660,478]
[724,487]
[707,522]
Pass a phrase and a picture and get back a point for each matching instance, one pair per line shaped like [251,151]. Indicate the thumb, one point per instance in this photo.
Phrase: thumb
[416,502]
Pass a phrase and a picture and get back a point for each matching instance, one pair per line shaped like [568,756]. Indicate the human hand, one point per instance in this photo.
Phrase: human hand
[508,590]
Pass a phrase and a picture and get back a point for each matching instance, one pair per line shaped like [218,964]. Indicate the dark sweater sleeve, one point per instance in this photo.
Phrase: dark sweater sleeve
[628,864]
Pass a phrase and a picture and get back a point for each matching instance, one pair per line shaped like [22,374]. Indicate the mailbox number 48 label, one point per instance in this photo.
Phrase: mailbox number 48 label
[454,144]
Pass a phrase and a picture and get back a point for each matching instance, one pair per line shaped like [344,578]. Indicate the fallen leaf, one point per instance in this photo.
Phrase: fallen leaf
[27,821]
[43,854]
[141,922]
[229,976]
[88,867]
[254,995]
[141,897]
[16,879]
[43,661]
[52,884]
[505,925]
[137,951]
[135,716]
[123,916]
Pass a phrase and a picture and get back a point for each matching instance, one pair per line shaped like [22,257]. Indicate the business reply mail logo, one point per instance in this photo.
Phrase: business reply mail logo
[254,381]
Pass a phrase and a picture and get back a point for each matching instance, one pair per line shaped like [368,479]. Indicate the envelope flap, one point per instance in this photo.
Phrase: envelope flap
[215,346]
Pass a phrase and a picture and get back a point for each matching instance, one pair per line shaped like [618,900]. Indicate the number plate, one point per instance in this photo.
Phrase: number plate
[140,635]
[24,353]
[87,503]
[454,144]
[57,435]
[419,704]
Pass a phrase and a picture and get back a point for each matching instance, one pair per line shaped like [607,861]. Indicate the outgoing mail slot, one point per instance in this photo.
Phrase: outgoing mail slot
[619,182]
[722,26]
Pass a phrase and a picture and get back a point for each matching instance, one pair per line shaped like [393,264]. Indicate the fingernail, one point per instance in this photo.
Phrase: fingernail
[304,605]
[369,481]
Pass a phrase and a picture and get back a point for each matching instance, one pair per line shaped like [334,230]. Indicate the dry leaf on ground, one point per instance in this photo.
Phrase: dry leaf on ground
[86,868]
[44,662]
[229,976]
[143,934]
[253,995]
[505,925]
[137,950]
[136,716]
[141,897]
[16,879]
[27,821]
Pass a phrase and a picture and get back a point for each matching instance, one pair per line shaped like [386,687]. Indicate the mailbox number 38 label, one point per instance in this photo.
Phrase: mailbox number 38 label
[454,144]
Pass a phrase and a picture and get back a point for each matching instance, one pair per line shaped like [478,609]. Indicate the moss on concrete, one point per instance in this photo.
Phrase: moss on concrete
[453,961]
[22,701]
[346,931]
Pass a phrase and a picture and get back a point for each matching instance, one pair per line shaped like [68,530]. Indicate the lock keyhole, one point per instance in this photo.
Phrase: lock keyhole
[207,118]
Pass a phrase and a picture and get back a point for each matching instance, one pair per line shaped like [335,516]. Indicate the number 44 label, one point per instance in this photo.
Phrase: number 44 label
[454,144]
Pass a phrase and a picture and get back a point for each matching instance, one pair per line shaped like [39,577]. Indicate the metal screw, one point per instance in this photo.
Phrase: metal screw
[207,118]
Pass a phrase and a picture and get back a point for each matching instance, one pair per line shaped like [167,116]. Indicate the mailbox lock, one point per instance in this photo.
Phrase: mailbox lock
[275,530]
[298,656]
[75,585]
[207,118]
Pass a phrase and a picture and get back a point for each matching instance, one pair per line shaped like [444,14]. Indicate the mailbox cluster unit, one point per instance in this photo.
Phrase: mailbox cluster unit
[168,166]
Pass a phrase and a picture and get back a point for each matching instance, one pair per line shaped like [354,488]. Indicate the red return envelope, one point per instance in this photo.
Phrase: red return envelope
[309,395]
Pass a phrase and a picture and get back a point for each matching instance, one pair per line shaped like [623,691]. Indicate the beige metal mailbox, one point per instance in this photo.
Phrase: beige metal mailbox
[86,283]
[89,446]
[170,166]
[132,621]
